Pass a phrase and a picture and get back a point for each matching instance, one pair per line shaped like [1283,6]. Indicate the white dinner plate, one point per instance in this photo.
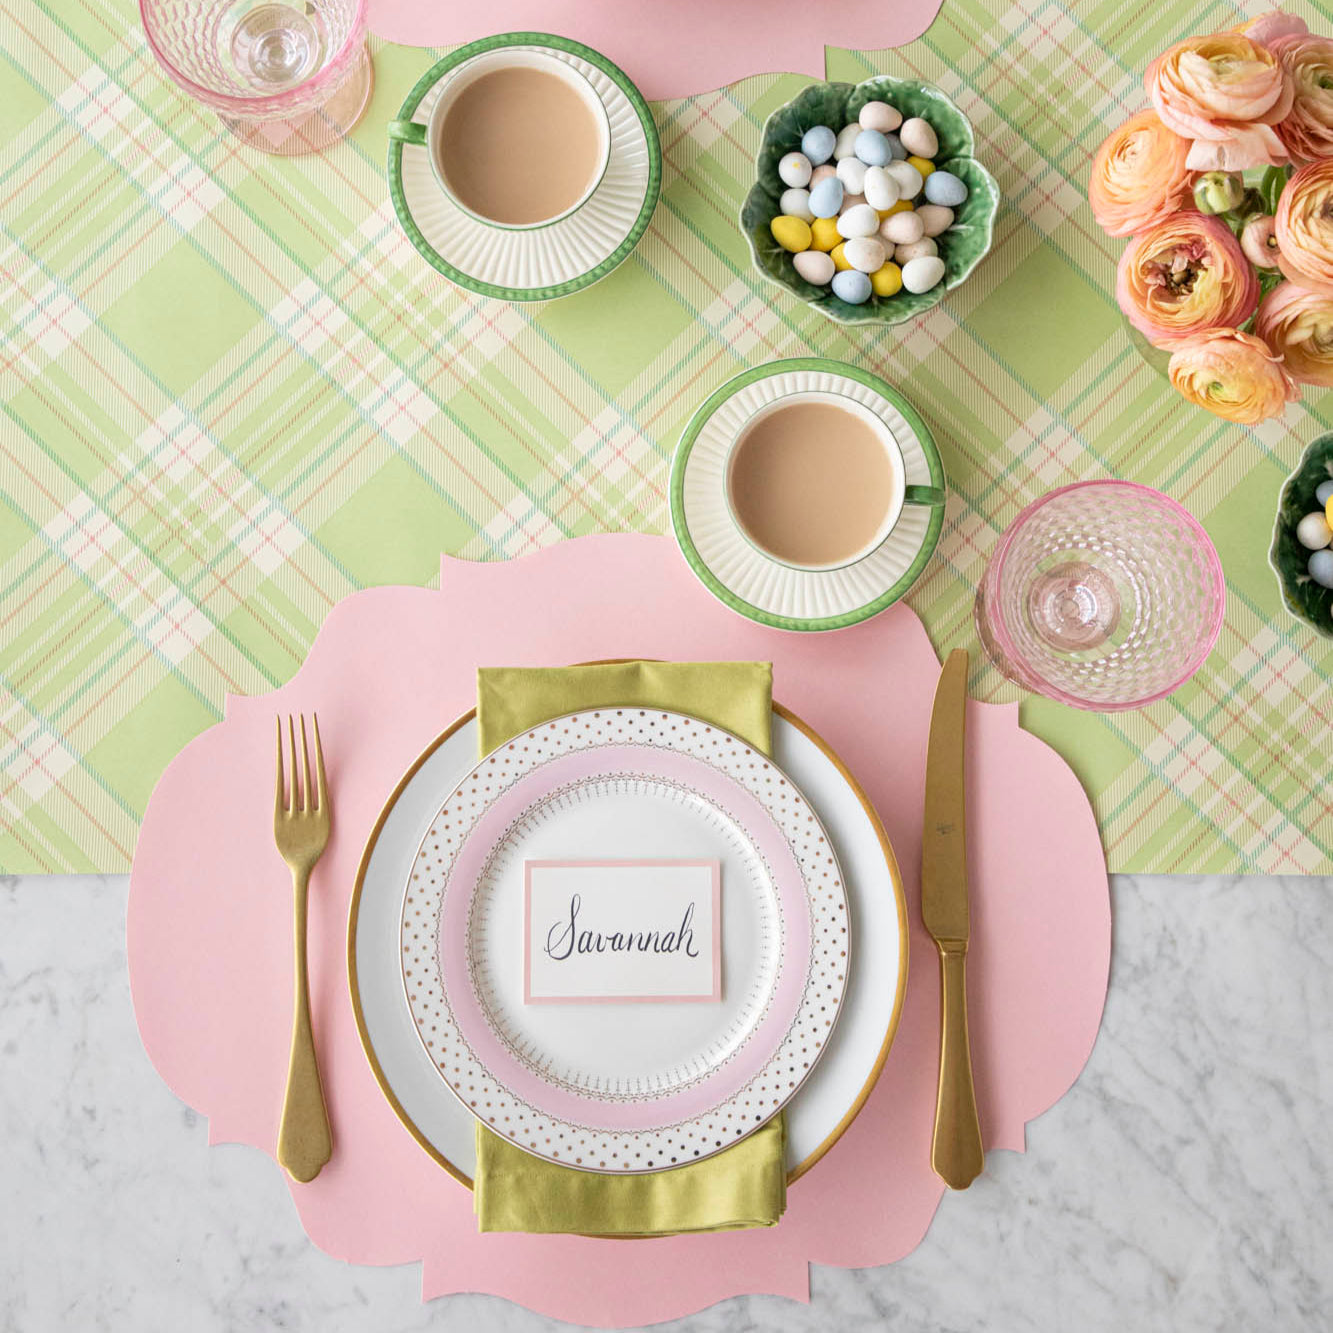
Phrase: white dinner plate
[822,1107]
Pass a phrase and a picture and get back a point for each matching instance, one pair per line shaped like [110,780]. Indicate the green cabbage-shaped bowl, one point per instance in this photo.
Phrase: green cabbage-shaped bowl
[1305,599]
[835,105]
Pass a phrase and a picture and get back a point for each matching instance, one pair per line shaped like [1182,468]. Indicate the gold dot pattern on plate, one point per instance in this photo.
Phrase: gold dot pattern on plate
[825,967]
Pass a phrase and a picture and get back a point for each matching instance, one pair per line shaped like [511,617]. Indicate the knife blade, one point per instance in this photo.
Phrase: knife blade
[956,1153]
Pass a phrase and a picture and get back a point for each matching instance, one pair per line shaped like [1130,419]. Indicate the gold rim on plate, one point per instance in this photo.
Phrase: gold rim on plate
[890,861]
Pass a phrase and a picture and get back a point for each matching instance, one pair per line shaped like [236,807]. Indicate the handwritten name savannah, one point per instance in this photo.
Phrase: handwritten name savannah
[565,938]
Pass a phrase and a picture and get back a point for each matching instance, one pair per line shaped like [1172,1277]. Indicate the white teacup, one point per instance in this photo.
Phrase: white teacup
[457,80]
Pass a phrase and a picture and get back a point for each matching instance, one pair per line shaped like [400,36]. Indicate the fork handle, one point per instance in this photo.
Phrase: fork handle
[305,1142]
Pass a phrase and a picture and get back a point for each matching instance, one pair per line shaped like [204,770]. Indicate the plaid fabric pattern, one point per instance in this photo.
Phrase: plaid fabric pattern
[233,393]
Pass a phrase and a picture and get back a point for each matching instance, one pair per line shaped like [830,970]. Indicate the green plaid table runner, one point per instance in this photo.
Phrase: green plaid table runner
[233,393]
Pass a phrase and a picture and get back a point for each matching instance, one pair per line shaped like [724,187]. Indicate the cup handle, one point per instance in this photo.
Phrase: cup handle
[407,131]
[933,496]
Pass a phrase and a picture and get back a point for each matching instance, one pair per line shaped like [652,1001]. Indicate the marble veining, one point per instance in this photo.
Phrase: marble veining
[1182,1184]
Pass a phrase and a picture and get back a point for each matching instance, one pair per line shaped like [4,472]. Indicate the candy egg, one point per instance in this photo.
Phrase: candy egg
[902,206]
[873,148]
[922,273]
[852,286]
[814,266]
[879,188]
[790,233]
[908,178]
[935,218]
[923,164]
[852,174]
[796,203]
[1313,532]
[859,221]
[943,187]
[824,171]
[902,228]
[826,198]
[795,170]
[824,234]
[918,137]
[850,201]
[887,281]
[904,254]
[879,116]
[896,147]
[839,257]
[817,144]
[1321,568]
[1328,510]
[1324,491]
[845,144]
[865,253]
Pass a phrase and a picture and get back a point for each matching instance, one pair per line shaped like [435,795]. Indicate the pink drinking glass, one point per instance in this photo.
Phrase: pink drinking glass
[285,77]
[1104,595]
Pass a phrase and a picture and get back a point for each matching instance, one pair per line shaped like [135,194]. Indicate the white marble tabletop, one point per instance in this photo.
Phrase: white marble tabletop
[1183,1183]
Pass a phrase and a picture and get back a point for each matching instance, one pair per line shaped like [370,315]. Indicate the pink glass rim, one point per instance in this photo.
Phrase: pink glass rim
[295,98]
[1216,578]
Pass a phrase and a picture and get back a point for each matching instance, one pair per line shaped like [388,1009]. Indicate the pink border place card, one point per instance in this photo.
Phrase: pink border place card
[611,932]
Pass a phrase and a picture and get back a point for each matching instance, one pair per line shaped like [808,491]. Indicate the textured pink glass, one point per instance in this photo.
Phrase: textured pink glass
[287,77]
[1104,595]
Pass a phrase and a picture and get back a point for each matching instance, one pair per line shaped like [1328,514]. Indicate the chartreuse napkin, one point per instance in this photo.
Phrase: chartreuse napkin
[744,1186]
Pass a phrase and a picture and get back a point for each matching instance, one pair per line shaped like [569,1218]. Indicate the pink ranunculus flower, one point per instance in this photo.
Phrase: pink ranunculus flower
[1138,175]
[1258,241]
[1232,374]
[1297,324]
[1303,225]
[1224,92]
[1184,275]
[1307,132]
[1267,28]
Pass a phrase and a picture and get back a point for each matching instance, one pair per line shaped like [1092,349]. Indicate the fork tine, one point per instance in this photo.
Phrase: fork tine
[321,791]
[295,803]
[307,796]
[279,800]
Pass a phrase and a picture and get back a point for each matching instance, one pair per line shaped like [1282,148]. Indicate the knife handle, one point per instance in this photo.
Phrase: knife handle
[956,1153]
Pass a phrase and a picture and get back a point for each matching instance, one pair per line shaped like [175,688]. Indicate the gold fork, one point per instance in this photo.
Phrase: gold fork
[301,830]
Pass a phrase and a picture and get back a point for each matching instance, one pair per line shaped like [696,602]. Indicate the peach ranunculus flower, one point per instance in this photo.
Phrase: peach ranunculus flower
[1303,225]
[1307,132]
[1225,92]
[1233,375]
[1138,176]
[1297,324]
[1267,28]
[1184,275]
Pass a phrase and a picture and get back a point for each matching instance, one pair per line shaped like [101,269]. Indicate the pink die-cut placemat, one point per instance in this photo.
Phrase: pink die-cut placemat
[209,928]
[676,48]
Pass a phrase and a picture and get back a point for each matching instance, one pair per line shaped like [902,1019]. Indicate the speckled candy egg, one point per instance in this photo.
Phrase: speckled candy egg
[865,253]
[1321,568]
[859,221]
[795,169]
[852,286]
[920,275]
[901,228]
[904,254]
[918,137]
[879,188]
[796,204]
[826,198]
[790,233]
[907,177]
[935,218]
[1323,493]
[817,144]
[852,174]
[845,144]
[824,171]
[1312,531]
[814,266]
[943,187]
[873,148]
[879,116]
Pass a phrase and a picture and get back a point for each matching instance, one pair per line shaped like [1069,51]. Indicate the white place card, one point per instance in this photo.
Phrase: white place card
[611,931]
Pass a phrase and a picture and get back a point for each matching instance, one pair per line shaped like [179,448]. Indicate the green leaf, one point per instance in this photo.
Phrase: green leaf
[1304,598]
[962,247]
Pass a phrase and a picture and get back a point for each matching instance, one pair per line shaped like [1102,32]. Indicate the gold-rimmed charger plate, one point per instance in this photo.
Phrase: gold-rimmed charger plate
[835,1092]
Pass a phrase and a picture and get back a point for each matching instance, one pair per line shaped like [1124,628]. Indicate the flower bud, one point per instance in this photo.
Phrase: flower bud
[1218,191]
[1259,242]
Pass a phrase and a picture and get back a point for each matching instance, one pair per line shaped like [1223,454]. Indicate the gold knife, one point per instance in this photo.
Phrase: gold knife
[956,1153]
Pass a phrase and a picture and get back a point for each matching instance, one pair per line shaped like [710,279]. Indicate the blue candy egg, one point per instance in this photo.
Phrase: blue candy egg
[873,148]
[943,187]
[1323,491]
[817,143]
[1321,562]
[853,287]
[826,197]
[900,153]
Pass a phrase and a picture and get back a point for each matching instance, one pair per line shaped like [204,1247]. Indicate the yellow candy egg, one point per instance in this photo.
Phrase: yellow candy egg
[902,206]
[1328,511]
[840,258]
[923,164]
[887,280]
[791,233]
[824,234]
